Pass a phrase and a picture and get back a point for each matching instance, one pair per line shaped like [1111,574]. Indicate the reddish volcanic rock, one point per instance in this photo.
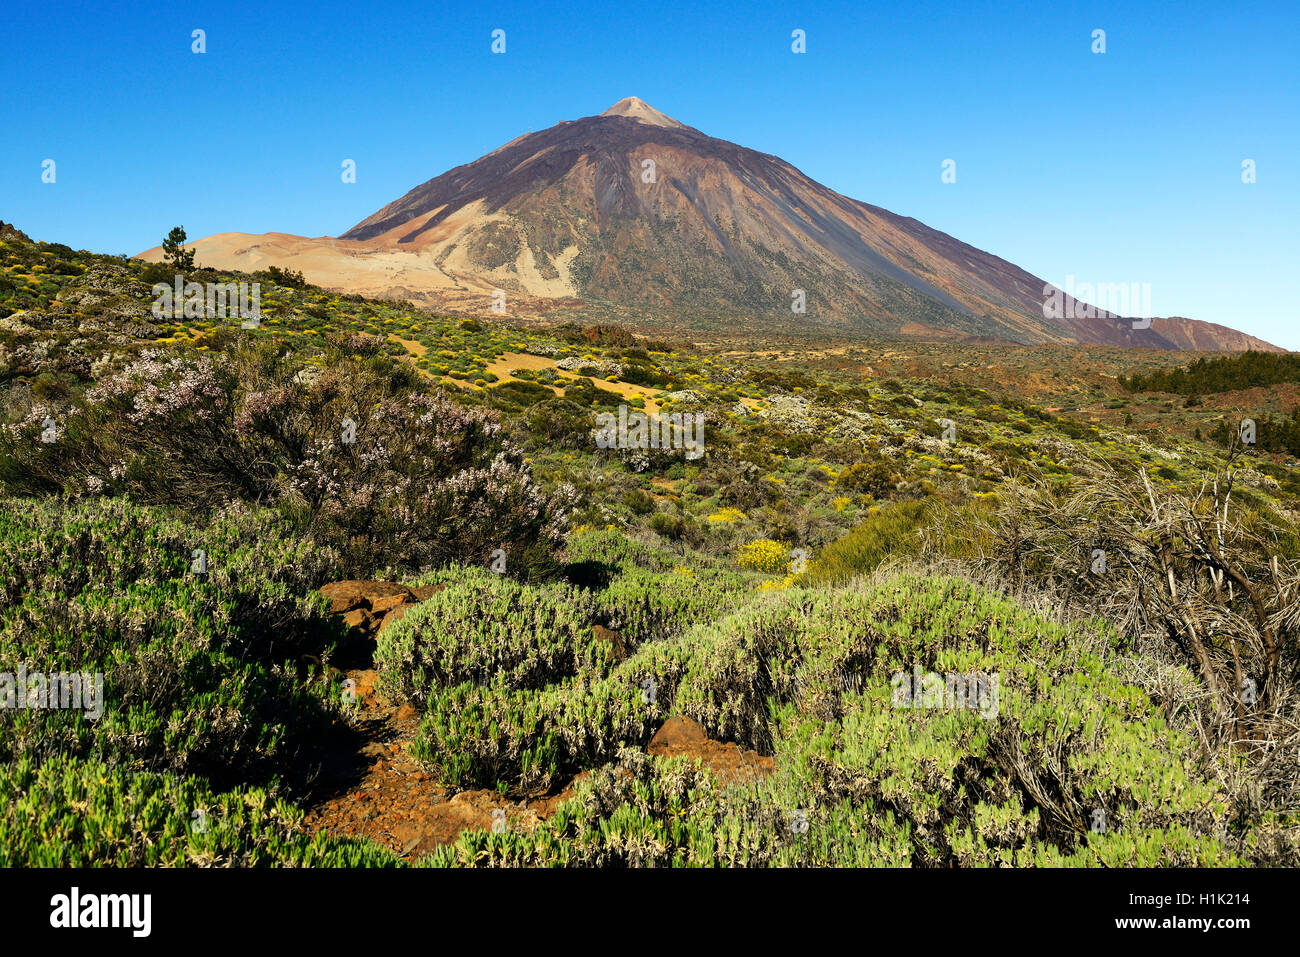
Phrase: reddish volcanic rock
[350,594]
[614,639]
[682,737]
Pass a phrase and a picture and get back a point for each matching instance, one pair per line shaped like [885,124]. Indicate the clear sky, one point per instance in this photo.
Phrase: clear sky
[1118,167]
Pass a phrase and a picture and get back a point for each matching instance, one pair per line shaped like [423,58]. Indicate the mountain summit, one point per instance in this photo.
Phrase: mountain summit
[633,210]
[639,109]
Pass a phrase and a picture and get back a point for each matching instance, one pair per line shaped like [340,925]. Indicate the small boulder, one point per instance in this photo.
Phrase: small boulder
[617,645]
[359,619]
[421,592]
[344,596]
[387,603]
[682,737]
[368,606]
[678,733]
[350,594]
[396,614]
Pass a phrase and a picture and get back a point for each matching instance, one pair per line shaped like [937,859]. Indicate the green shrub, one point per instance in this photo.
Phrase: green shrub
[890,531]
[650,606]
[877,479]
[72,813]
[644,812]
[614,550]
[560,422]
[672,526]
[515,395]
[193,662]
[526,742]
[158,272]
[810,677]
[1069,737]
[639,501]
[289,278]
[52,550]
[486,629]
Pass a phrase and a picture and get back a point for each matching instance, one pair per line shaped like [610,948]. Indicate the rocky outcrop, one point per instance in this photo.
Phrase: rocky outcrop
[366,607]
[11,233]
[618,646]
[682,737]
[112,300]
[795,415]
[596,367]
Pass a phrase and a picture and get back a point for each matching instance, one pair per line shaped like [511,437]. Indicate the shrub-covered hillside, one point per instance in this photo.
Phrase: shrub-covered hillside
[363,589]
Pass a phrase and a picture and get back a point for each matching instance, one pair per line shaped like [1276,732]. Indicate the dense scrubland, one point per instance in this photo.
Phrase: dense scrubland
[177,491]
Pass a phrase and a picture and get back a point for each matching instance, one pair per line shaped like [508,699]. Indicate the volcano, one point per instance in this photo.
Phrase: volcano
[634,210]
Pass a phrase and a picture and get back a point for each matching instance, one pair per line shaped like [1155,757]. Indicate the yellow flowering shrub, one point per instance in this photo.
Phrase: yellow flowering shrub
[764,555]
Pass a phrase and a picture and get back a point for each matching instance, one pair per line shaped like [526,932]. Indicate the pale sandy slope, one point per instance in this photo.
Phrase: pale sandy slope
[325,261]
[434,269]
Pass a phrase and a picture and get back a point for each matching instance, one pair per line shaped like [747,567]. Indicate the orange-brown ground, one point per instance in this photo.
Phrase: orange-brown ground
[370,786]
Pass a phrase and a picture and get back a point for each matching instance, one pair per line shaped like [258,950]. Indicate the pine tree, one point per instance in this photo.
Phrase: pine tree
[174,251]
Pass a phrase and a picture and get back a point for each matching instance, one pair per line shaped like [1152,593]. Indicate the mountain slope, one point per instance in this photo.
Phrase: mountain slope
[635,209]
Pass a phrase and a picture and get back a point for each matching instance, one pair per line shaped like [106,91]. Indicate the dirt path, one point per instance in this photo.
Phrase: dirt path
[371,787]
[416,349]
[507,363]
[504,365]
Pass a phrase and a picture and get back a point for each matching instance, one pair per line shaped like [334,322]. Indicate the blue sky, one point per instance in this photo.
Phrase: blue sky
[1115,167]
